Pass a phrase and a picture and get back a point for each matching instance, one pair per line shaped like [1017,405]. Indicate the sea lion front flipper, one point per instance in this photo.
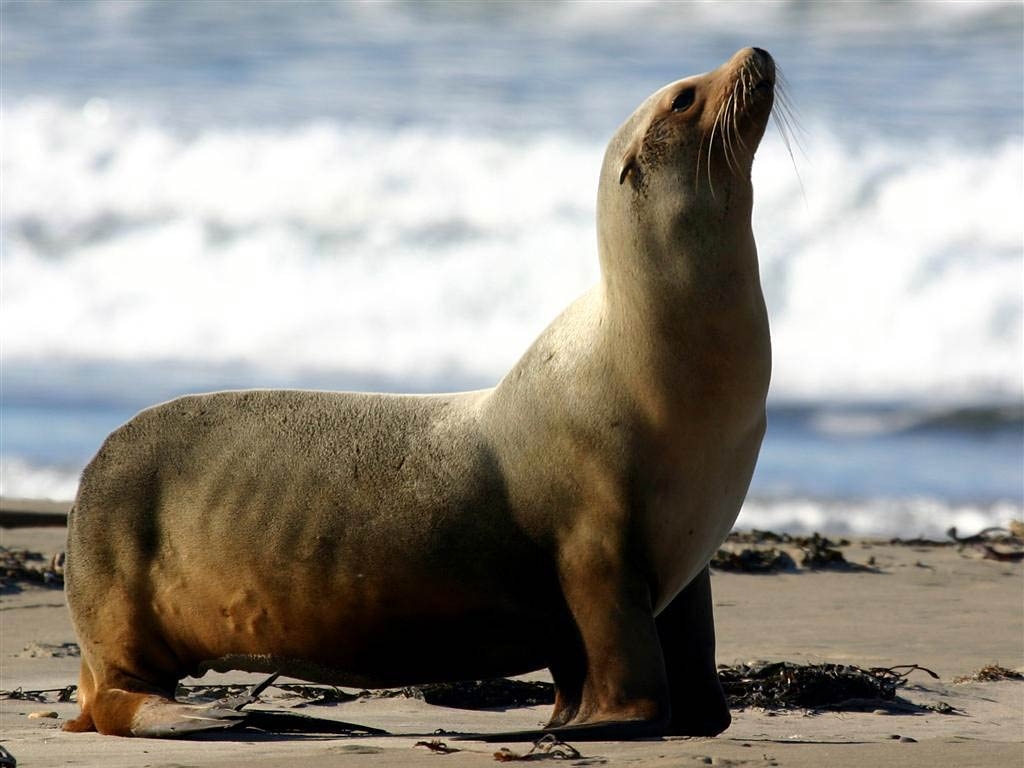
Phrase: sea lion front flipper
[617,686]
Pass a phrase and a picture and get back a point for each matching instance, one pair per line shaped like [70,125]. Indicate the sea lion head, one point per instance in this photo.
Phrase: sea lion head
[710,123]
[685,154]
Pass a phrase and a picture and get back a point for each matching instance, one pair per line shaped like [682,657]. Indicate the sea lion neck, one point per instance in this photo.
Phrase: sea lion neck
[661,259]
[675,196]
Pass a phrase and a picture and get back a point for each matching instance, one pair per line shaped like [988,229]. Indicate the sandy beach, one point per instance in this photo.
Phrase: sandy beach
[944,608]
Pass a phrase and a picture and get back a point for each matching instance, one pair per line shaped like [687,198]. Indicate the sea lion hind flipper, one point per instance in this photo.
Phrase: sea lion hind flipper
[170,720]
[686,631]
[290,722]
[165,719]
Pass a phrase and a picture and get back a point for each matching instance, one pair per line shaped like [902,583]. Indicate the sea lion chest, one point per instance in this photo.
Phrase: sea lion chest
[702,417]
[691,501]
[649,444]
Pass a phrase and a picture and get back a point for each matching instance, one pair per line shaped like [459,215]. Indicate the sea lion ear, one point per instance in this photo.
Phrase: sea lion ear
[628,164]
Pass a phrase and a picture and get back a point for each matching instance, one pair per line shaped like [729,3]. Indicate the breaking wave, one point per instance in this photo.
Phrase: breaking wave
[420,254]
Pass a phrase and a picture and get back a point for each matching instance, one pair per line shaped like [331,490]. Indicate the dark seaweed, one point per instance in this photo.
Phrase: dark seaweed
[785,685]
[499,693]
[820,553]
[770,685]
[19,566]
[753,561]
[990,673]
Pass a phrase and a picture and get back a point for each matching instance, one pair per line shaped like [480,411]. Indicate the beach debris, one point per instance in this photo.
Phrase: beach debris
[547,747]
[819,553]
[919,542]
[50,651]
[237,697]
[316,694]
[984,540]
[436,745]
[20,566]
[756,536]
[249,696]
[43,695]
[991,553]
[356,749]
[499,693]
[206,694]
[990,673]
[942,708]
[753,561]
[981,537]
[46,713]
[289,722]
[786,685]
[777,685]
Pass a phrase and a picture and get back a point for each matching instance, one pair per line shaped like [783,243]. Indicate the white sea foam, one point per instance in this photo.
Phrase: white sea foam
[895,272]
[21,479]
[885,517]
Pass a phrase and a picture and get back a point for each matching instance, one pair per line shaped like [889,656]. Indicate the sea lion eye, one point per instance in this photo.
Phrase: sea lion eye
[683,100]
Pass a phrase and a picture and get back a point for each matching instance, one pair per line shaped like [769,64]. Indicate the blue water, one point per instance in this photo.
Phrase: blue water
[400,196]
[495,67]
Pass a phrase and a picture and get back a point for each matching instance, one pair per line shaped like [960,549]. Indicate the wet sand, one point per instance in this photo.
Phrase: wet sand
[949,610]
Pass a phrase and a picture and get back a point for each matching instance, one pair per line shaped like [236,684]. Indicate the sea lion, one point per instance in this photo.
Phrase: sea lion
[563,519]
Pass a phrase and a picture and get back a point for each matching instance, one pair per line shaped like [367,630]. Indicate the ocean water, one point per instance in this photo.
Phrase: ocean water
[400,196]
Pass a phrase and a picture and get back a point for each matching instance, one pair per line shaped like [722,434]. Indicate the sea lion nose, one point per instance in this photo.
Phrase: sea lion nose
[762,64]
[753,56]
[762,57]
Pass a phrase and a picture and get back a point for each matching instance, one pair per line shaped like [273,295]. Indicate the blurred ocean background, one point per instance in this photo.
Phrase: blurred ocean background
[399,196]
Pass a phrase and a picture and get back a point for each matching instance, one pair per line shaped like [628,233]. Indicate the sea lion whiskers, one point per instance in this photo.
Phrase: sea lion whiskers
[744,92]
[708,136]
[711,142]
[727,117]
[726,125]
[752,78]
[788,124]
[786,115]
[732,128]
